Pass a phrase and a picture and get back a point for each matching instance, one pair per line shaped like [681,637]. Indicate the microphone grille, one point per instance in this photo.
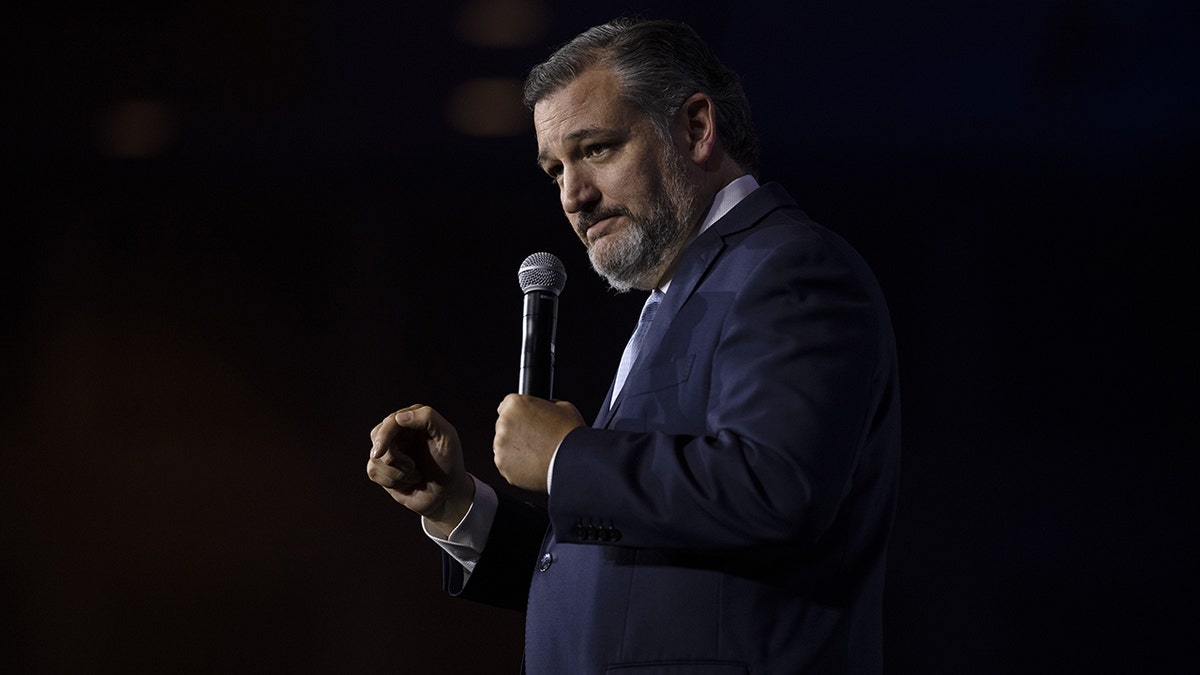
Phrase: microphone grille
[542,272]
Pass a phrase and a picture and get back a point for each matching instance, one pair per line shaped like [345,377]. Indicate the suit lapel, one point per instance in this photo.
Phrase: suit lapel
[697,260]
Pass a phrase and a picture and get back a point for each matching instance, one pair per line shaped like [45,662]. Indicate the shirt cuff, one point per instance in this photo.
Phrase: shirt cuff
[467,540]
[550,469]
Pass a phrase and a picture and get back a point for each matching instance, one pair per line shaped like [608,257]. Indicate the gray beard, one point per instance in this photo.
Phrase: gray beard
[639,255]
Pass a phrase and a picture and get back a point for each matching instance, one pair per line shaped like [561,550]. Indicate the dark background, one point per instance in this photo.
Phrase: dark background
[238,234]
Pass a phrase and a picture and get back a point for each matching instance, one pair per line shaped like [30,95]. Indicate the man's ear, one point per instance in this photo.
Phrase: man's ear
[699,118]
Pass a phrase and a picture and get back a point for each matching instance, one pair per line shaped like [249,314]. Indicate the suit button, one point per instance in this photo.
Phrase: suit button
[545,563]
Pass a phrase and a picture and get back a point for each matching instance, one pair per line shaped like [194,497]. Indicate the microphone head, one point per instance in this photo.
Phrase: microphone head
[542,272]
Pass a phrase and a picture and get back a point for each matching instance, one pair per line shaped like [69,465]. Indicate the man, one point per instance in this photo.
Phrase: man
[729,510]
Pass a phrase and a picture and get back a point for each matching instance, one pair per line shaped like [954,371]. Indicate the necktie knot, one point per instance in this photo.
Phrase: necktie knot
[650,308]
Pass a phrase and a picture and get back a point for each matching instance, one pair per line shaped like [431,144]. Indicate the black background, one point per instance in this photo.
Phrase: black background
[201,339]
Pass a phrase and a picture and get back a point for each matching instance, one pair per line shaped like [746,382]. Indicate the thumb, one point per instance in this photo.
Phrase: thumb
[430,422]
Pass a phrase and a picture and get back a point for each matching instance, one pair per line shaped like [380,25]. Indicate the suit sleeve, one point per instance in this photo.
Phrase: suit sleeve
[789,395]
[501,576]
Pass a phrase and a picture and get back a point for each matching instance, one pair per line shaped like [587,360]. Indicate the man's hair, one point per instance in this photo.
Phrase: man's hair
[659,65]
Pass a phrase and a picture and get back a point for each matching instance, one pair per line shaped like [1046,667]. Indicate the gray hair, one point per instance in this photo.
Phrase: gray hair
[659,65]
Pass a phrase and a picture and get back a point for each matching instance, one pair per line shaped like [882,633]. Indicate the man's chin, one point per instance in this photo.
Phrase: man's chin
[621,280]
[615,277]
[610,256]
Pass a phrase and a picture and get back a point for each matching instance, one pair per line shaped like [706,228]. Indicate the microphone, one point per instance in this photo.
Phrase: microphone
[542,277]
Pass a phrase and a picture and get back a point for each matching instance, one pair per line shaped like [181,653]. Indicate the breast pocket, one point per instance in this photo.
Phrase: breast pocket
[660,376]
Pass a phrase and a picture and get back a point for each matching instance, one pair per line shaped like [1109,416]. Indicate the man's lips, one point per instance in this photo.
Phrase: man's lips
[593,229]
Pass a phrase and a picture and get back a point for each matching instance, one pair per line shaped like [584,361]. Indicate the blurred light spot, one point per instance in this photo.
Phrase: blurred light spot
[503,23]
[138,128]
[488,107]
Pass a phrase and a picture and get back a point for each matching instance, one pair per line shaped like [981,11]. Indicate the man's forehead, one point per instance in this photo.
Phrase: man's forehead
[594,93]
[597,81]
[588,106]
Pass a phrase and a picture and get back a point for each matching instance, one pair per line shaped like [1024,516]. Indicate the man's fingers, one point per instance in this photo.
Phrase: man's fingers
[436,428]
[384,433]
[417,431]
[399,461]
[392,476]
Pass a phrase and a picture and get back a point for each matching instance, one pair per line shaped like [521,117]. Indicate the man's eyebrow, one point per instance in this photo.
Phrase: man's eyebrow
[574,137]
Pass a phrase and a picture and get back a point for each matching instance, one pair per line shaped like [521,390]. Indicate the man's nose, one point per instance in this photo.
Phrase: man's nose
[578,190]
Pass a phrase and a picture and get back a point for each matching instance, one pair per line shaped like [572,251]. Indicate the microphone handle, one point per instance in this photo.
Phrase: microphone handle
[537,346]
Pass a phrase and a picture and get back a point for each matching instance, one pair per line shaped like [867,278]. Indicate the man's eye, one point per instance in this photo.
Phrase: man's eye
[597,150]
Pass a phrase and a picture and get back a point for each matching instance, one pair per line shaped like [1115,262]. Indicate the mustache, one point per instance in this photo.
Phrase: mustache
[588,218]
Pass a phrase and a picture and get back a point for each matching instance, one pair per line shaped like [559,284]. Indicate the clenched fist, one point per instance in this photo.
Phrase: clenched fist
[528,431]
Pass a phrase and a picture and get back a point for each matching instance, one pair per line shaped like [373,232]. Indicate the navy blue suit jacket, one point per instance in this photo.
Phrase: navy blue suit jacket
[730,511]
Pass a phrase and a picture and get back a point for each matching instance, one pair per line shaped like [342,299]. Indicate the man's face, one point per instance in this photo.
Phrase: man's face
[625,189]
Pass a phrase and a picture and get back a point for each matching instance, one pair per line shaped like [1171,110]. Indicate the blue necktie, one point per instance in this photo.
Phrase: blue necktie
[634,348]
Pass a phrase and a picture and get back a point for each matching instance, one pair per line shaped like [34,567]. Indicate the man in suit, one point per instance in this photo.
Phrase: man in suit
[729,509]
